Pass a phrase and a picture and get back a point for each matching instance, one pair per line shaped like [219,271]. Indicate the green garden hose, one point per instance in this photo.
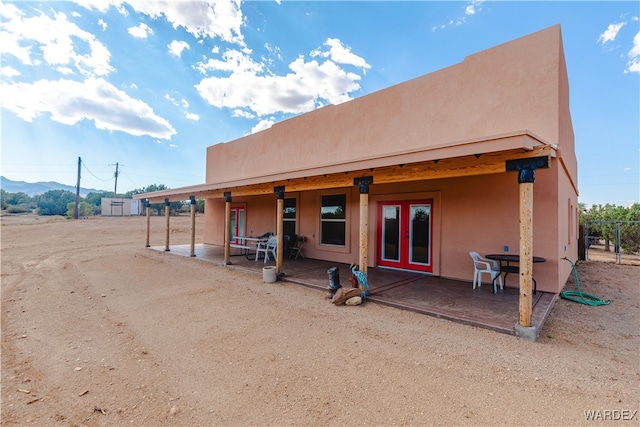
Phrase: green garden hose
[579,296]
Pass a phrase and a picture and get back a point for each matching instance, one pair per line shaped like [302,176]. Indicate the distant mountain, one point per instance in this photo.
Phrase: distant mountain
[34,188]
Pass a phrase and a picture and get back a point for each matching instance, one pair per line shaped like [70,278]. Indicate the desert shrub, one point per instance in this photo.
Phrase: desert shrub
[18,209]
[84,209]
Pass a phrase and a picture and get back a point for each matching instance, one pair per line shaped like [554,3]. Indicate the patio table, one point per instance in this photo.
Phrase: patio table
[508,268]
[246,243]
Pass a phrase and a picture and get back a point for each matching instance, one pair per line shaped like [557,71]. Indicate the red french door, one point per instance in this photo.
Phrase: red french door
[237,224]
[404,234]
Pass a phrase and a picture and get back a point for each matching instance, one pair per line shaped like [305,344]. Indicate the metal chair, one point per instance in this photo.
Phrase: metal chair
[296,249]
[483,265]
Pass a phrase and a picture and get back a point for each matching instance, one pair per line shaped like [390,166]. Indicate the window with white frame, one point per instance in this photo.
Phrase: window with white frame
[289,217]
[333,219]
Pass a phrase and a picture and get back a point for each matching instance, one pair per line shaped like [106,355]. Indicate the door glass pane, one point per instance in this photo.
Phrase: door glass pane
[391,233]
[419,234]
[240,230]
[234,222]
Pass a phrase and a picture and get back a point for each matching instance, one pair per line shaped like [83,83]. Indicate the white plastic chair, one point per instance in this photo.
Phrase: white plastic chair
[484,265]
[267,247]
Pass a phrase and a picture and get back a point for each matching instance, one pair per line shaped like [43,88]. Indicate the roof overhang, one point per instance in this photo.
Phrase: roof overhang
[465,158]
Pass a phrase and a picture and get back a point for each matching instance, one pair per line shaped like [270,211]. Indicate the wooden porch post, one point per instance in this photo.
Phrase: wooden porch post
[363,251]
[148,212]
[526,169]
[227,227]
[526,247]
[193,225]
[167,214]
[280,227]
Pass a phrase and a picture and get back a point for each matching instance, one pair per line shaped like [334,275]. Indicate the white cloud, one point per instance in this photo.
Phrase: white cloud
[54,40]
[309,85]
[102,24]
[65,71]
[171,99]
[9,72]
[341,54]
[473,7]
[633,66]
[9,11]
[243,114]
[100,5]
[263,124]
[232,60]
[192,116]
[69,102]
[610,33]
[222,18]
[176,47]
[142,31]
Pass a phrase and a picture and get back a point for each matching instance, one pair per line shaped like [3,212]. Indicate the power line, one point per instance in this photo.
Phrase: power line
[100,179]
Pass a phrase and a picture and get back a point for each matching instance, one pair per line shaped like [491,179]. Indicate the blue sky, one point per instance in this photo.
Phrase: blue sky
[150,84]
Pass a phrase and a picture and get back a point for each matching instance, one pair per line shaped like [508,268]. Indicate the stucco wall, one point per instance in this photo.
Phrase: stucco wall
[517,86]
[478,213]
[508,88]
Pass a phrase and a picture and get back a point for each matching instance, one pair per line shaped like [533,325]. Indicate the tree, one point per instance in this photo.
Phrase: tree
[175,207]
[84,209]
[95,200]
[603,220]
[54,202]
[17,202]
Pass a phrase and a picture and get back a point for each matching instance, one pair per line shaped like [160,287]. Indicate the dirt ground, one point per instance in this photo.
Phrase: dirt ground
[98,330]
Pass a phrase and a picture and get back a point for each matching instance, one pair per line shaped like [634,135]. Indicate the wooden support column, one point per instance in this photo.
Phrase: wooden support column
[148,212]
[526,176]
[193,225]
[363,251]
[526,249]
[280,227]
[227,228]
[167,214]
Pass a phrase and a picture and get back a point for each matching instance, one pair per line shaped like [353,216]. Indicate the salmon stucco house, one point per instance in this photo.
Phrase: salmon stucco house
[478,156]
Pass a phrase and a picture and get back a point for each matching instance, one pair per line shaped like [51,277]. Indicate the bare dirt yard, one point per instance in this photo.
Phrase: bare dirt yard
[97,330]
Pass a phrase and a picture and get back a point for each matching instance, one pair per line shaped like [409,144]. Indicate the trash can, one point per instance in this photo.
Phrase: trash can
[334,279]
[269,274]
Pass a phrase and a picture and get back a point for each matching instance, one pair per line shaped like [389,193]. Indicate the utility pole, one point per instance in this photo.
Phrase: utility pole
[77,213]
[115,190]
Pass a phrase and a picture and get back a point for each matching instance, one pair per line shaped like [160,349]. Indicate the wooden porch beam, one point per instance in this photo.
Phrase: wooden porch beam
[488,163]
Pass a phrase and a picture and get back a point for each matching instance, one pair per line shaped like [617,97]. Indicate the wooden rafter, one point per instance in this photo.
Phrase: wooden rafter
[487,163]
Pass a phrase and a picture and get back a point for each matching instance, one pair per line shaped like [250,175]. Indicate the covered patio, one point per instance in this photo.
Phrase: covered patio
[449,299]
[389,179]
